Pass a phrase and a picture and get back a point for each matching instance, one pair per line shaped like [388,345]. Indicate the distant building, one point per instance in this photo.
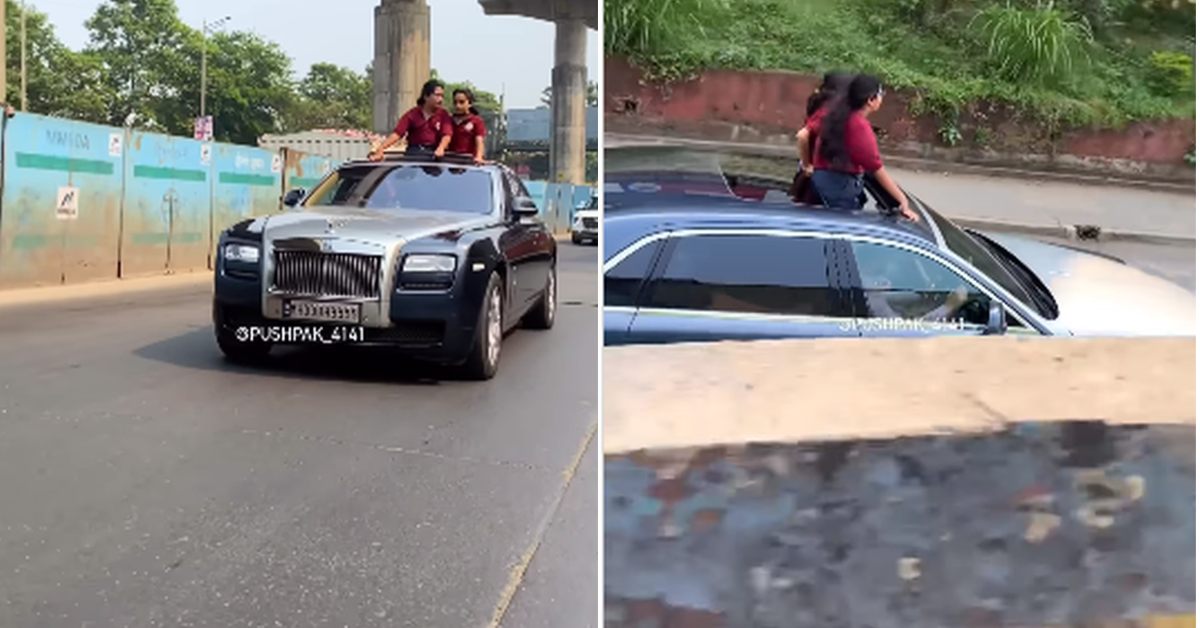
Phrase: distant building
[339,144]
[532,126]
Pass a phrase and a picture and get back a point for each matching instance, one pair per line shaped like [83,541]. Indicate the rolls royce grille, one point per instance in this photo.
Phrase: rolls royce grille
[327,274]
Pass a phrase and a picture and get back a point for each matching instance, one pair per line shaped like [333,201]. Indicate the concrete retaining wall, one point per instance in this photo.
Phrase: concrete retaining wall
[136,203]
[768,107]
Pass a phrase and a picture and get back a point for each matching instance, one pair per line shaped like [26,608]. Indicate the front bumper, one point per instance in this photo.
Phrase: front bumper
[580,231]
[436,326]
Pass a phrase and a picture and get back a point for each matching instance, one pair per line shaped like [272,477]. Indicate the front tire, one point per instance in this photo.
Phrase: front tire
[484,358]
[240,352]
[575,239]
[543,313]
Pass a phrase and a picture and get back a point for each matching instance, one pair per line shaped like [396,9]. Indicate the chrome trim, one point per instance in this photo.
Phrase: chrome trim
[326,274]
[1020,311]
[744,316]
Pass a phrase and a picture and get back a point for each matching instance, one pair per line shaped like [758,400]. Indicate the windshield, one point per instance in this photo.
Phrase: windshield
[408,187]
[977,255]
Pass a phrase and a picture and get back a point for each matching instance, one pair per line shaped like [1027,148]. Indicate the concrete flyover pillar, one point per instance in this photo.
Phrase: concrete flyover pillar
[401,58]
[568,102]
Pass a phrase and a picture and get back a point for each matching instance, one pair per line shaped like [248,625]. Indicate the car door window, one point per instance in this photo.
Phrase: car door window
[901,284]
[752,274]
[623,281]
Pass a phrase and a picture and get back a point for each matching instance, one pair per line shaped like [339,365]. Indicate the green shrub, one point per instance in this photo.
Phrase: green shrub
[643,27]
[950,135]
[1171,74]
[983,137]
[1040,45]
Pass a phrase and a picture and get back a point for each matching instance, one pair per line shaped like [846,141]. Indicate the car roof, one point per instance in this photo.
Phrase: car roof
[455,161]
[689,212]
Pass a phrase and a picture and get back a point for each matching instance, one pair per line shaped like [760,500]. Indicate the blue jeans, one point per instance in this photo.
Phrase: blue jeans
[838,190]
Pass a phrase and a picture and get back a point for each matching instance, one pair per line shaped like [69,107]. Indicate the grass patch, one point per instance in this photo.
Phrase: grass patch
[1058,67]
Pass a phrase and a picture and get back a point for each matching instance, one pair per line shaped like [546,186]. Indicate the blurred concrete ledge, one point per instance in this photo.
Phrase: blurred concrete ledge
[696,395]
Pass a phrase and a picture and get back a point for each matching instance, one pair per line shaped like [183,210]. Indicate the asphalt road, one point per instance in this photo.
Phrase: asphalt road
[145,482]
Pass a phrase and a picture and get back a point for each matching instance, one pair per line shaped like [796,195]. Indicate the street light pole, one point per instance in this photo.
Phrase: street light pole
[205,27]
[203,65]
[3,55]
[24,46]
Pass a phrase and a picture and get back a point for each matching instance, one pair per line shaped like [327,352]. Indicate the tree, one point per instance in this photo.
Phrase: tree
[61,82]
[153,61]
[250,89]
[140,45]
[592,95]
[331,96]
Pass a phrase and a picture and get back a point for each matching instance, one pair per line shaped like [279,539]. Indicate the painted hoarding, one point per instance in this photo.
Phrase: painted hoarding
[60,208]
[167,206]
[247,182]
[304,170]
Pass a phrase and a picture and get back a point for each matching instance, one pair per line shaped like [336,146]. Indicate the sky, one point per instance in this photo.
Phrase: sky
[496,53]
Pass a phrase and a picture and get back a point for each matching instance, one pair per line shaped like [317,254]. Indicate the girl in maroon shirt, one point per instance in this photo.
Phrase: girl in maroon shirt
[846,149]
[426,126]
[833,86]
[469,129]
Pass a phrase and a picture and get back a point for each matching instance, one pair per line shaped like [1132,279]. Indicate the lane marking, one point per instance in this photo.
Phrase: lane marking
[517,575]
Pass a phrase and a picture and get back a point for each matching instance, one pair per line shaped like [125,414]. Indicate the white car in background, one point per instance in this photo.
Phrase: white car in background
[585,227]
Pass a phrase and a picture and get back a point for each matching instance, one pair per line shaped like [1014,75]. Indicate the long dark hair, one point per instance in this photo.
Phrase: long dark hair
[427,90]
[470,99]
[832,86]
[862,89]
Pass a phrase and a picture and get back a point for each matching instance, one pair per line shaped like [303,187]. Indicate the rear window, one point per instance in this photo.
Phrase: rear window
[408,187]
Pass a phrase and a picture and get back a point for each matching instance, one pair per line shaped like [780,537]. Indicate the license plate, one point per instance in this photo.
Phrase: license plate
[321,311]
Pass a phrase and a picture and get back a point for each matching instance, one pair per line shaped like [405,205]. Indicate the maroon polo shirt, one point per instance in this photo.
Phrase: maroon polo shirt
[422,131]
[861,146]
[465,131]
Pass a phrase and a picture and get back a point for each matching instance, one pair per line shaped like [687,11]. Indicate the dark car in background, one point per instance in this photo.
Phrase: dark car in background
[701,256]
[436,259]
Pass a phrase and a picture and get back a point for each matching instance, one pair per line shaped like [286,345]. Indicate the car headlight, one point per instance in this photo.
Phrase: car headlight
[430,264]
[245,253]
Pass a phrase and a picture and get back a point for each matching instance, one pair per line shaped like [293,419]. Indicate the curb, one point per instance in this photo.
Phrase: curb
[915,163]
[101,288]
[1082,233]
[921,164]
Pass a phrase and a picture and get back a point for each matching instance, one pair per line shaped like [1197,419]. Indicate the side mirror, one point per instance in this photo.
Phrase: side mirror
[293,197]
[524,207]
[997,324]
